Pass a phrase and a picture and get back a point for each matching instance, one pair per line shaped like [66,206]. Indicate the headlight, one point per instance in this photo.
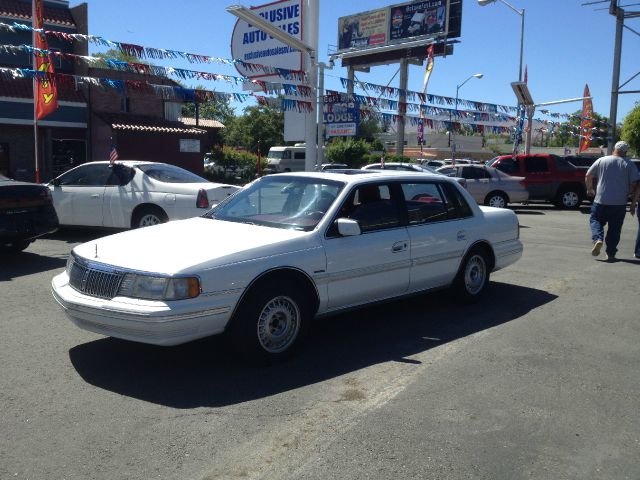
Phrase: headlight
[159,288]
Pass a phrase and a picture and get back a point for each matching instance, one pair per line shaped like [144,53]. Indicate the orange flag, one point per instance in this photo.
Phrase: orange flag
[587,121]
[46,92]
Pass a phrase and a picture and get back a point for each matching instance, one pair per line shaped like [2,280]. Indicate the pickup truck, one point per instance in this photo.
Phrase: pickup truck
[547,177]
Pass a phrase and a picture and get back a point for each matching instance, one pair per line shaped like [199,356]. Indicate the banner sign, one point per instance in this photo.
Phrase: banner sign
[252,45]
[366,29]
[46,92]
[586,126]
[341,116]
[395,24]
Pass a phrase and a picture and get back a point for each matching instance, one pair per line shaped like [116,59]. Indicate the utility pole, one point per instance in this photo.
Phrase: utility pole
[402,105]
[615,81]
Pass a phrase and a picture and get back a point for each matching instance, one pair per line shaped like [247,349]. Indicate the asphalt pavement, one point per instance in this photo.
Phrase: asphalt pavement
[538,381]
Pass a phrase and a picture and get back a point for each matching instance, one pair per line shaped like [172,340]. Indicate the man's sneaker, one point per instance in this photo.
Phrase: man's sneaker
[611,258]
[595,251]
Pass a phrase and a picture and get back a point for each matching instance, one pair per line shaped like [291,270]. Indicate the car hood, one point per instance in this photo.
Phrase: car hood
[186,246]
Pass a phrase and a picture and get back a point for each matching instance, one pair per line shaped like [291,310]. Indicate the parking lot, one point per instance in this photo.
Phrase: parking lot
[539,380]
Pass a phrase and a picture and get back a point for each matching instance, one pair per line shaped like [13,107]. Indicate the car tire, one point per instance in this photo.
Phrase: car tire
[496,199]
[271,322]
[14,247]
[148,216]
[473,276]
[569,198]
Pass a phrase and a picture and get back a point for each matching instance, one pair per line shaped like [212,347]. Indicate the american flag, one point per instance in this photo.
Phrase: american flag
[113,154]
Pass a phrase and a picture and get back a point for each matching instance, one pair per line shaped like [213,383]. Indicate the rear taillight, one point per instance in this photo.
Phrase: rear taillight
[46,194]
[203,200]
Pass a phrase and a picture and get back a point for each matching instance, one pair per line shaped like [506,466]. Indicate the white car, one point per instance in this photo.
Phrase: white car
[131,194]
[489,186]
[283,250]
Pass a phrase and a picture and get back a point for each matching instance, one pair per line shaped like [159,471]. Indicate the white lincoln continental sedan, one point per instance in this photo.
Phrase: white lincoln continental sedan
[285,249]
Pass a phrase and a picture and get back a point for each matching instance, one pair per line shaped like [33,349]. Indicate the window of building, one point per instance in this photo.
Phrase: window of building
[125,105]
[67,154]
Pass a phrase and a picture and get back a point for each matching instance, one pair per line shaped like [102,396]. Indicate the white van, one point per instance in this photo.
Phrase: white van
[286,159]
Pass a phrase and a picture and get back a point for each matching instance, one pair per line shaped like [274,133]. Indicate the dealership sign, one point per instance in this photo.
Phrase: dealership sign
[252,45]
[341,116]
[419,20]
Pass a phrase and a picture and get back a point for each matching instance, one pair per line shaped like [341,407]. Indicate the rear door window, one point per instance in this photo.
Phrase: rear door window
[536,165]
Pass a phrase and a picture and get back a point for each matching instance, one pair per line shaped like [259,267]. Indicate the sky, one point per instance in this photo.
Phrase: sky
[566,45]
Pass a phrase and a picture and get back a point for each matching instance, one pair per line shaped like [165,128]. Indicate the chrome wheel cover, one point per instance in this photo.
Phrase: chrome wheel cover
[475,274]
[570,199]
[497,201]
[278,324]
[149,219]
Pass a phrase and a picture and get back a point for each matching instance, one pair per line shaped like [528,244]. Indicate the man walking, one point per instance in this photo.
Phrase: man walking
[617,178]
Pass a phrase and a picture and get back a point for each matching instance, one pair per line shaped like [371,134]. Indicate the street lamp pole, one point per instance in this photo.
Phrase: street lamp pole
[453,144]
[484,3]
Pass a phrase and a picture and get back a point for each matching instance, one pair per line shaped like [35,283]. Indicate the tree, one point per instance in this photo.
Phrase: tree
[563,138]
[630,132]
[258,122]
[219,110]
[116,54]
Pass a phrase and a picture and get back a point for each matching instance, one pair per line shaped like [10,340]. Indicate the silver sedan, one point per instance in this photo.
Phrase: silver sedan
[489,186]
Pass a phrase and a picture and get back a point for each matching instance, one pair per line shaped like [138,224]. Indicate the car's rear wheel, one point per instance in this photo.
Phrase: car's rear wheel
[14,247]
[148,216]
[271,321]
[496,199]
[473,276]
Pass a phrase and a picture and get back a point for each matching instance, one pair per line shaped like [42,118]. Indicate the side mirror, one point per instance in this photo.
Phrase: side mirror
[348,227]
[55,182]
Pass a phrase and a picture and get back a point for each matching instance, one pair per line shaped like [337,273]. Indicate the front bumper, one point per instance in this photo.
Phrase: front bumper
[145,321]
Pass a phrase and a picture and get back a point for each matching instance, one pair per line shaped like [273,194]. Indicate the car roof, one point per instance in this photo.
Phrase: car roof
[128,163]
[354,176]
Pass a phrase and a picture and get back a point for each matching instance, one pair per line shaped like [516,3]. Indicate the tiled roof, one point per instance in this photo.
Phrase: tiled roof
[202,122]
[147,124]
[22,11]
[23,88]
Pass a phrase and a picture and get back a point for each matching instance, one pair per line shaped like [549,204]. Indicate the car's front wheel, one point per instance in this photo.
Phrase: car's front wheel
[473,276]
[148,216]
[496,199]
[271,321]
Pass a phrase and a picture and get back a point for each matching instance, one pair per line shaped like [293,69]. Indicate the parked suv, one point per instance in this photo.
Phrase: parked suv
[547,177]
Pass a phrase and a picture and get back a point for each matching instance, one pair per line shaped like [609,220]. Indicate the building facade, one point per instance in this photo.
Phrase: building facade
[91,119]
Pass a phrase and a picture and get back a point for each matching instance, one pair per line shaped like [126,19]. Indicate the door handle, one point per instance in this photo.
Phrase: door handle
[399,247]
[95,195]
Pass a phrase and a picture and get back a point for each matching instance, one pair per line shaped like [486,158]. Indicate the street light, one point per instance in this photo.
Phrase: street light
[484,3]
[453,145]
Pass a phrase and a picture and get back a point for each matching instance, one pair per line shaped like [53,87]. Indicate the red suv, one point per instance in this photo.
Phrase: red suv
[547,177]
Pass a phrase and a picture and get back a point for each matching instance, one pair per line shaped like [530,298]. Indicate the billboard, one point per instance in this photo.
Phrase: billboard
[252,45]
[398,23]
[363,30]
[418,19]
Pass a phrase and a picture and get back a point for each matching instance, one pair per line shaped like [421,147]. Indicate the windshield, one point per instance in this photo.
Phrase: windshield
[170,173]
[276,154]
[281,202]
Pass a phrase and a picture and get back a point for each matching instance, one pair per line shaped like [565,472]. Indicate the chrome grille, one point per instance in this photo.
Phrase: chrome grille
[95,282]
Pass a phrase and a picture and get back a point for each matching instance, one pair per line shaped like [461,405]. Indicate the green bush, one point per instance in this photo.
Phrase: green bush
[232,166]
